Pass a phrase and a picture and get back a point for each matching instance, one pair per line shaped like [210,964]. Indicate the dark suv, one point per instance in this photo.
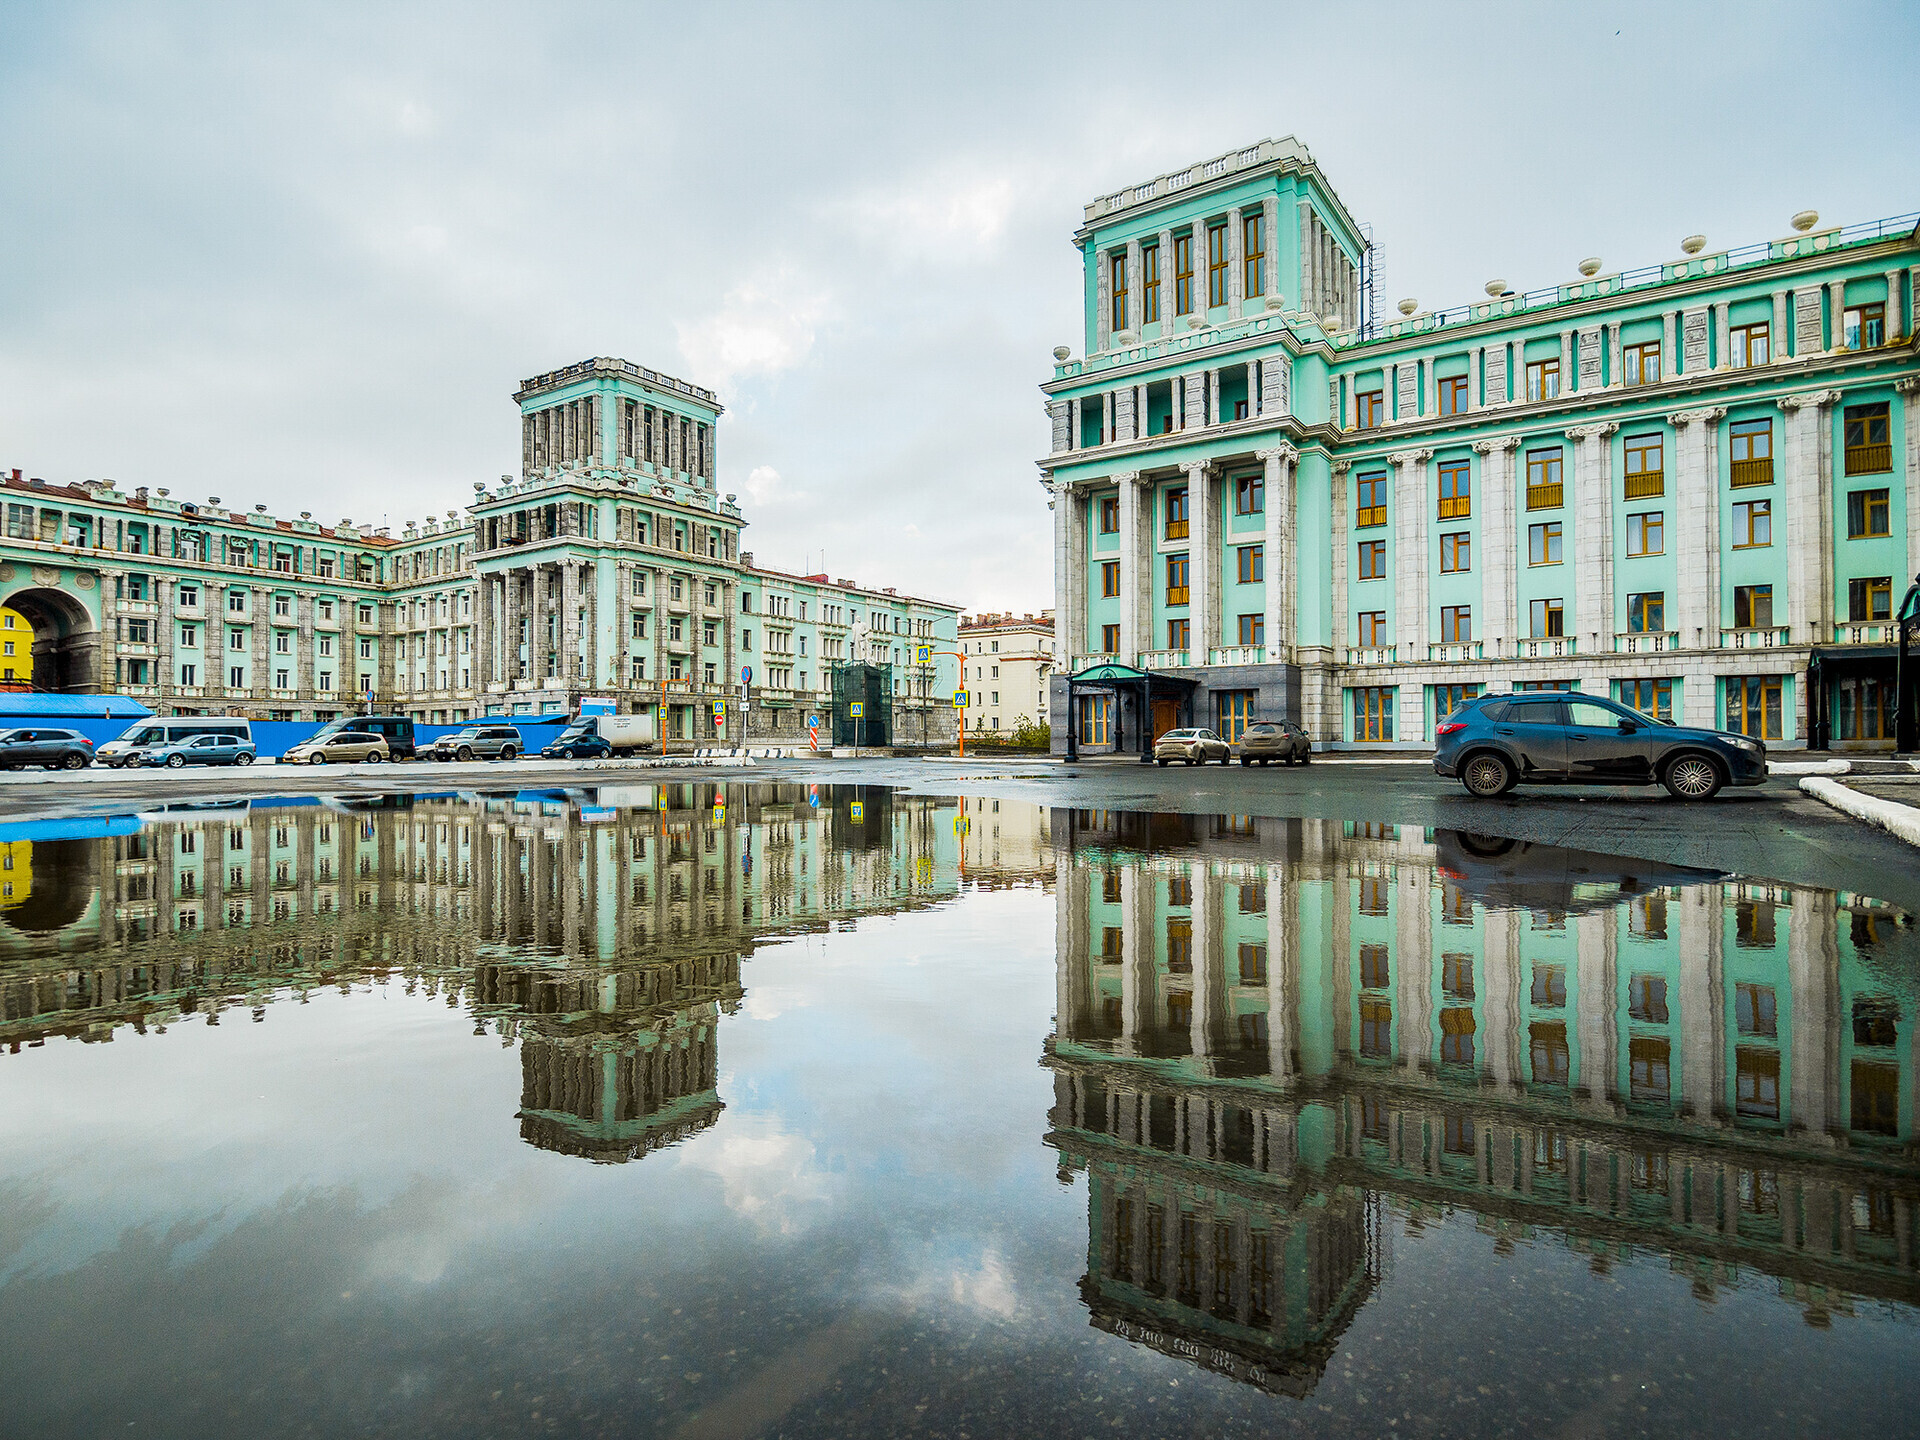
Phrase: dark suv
[1564,738]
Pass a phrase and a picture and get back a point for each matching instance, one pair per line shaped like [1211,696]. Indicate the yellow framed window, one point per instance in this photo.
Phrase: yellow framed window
[1456,490]
[1149,284]
[1645,467]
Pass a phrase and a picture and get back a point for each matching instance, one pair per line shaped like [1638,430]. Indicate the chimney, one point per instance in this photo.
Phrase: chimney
[38,483]
[16,477]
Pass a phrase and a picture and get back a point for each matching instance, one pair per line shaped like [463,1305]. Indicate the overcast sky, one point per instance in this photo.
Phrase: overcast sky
[304,255]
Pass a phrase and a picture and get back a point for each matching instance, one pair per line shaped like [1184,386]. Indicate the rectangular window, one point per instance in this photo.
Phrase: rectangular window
[1183,274]
[1253,563]
[1752,524]
[1096,719]
[1179,634]
[1753,705]
[1870,599]
[236,677]
[1373,715]
[1751,445]
[1543,544]
[1456,624]
[1109,579]
[1376,1026]
[1756,1082]
[1649,1070]
[1446,700]
[1750,345]
[1547,619]
[1110,515]
[1373,628]
[1369,409]
[1370,502]
[1543,380]
[1217,264]
[1640,364]
[1109,639]
[1453,395]
[1149,284]
[1647,612]
[1372,560]
[1865,326]
[1250,495]
[1253,252]
[1177,514]
[1456,490]
[1868,514]
[1753,607]
[1234,708]
[1253,629]
[1456,553]
[1117,274]
[1649,697]
[1868,450]
[1645,467]
[1543,479]
[1647,534]
[1176,580]
[1754,1011]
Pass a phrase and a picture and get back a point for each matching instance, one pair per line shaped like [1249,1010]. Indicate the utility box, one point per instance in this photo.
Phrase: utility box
[871,688]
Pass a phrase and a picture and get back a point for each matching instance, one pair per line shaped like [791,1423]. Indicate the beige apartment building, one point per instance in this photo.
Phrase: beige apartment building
[1008,660]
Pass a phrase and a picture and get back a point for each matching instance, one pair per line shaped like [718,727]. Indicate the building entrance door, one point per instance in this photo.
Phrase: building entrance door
[1166,715]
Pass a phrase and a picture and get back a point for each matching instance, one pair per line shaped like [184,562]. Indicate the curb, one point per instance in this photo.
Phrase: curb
[1900,821]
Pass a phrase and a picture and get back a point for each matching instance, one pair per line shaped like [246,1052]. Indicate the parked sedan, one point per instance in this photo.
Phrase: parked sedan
[55,749]
[345,748]
[197,750]
[1565,738]
[479,742]
[1194,746]
[1269,740]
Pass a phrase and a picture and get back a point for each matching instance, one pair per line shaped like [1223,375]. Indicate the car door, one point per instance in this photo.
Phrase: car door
[1536,731]
[1599,751]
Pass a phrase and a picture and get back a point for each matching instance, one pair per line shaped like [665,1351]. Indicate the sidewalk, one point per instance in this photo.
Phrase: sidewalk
[1887,796]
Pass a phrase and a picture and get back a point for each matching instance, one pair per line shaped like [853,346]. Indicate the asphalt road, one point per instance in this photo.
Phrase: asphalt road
[1770,832]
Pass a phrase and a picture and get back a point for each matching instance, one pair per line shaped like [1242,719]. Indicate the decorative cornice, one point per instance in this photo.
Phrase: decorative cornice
[1908,385]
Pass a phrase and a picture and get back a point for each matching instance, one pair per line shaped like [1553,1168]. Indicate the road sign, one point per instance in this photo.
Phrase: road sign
[746,674]
[959,699]
[857,710]
[924,655]
[813,736]
[813,722]
[857,812]
[719,711]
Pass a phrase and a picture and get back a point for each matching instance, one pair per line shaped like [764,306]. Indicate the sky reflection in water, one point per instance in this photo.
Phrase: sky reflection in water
[702,1110]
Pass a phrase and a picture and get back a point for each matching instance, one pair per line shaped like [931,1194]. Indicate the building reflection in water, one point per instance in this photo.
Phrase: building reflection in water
[1271,1034]
[602,931]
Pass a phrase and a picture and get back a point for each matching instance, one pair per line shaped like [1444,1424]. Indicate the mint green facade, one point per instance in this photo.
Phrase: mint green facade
[1683,485]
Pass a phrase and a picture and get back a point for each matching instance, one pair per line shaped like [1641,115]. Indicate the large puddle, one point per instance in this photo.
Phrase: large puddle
[829,1111]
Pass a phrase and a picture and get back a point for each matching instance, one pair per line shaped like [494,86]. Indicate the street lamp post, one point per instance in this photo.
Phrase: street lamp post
[1906,722]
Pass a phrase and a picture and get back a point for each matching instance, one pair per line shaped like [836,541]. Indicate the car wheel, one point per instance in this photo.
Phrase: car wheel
[465,752]
[1158,761]
[1245,761]
[507,752]
[174,762]
[76,762]
[1305,756]
[373,757]
[316,759]
[1692,777]
[243,758]
[1487,776]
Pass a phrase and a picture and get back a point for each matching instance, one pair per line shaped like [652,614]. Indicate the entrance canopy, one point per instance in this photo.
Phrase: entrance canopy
[1135,689]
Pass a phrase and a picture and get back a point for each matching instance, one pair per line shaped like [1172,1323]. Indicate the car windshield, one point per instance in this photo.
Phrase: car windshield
[469,734]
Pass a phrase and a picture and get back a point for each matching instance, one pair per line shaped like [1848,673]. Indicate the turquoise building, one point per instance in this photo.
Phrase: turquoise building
[1692,486]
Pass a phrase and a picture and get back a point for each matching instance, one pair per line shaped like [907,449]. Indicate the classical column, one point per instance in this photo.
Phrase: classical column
[1498,541]
[1136,293]
[1413,967]
[1476,378]
[1813,964]
[1203,567]
[1722,335]
[1214,417]
[1614,357]
[1410,488]
[1236,286]
[1278,622]
[1595,1007]
[1103,300]
[1909,389]
[1836,314]
[1696,531]
[1702,998]
[1167,316]
[1107,433]
[1807,518]
[1340,632]
[1592,538]
[1566,361]
[1270,240]
[1669,351]
[1067,623]
[1136,579]
[1207,1028]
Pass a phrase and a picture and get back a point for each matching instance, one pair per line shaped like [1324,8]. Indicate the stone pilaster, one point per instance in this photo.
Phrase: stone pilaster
[1341,630]
[1236,253]
[1592,510]
[1696,539]
[1807,521]
[1136,576]
[1203,561]
[1499,541]
[1068,608]
[1909,390]
[1281,585]
[1408,481]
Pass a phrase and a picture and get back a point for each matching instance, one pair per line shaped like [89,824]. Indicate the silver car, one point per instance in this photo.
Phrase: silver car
[1194,746]
[479,742]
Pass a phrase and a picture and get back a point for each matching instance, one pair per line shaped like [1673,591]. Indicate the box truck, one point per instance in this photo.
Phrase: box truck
[587,737]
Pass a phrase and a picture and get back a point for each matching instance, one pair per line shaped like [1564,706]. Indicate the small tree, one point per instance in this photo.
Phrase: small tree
[1030,734]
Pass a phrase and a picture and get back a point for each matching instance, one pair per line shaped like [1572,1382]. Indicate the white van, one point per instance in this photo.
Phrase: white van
[165,729]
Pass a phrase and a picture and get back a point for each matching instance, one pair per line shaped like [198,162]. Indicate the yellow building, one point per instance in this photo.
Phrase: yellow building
[16,650]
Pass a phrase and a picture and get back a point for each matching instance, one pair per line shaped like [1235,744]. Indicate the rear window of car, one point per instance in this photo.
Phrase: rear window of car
[1263,729]
[503,734]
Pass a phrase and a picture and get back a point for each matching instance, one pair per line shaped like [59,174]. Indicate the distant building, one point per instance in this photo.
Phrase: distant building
[1009,662]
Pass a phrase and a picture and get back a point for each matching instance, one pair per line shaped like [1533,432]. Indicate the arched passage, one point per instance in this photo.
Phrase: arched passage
[65,641]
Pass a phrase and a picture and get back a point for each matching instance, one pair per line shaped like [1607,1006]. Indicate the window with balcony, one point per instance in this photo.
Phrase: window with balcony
[1649,697]
[1753,607]
[1177,514]
[1456,553]
[1253,629]
[1217,263]
[1369,409]
[1867,435]
[1109,579]
[1373,629]
[1647,612]
[1543,544]
[1456,490]
[1868,514]
[1453,395]
[1183,274]
[1250,495]
[1645,472]
[1647,534]
[1110,515]
[1372,560]
[1546,619]
[1149,284]
[1544,489]
[1117,275]
[1370,502]
[1640,364]
[1865,326]
[1252,562]
[1543,379]
[1176,580]
[1109,639]
[1870,599]
[1179,634]
[1750,345]
[1456,624]
[1751,443]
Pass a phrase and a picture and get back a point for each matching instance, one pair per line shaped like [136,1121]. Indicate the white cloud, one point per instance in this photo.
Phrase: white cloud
[761,327]
[768,1175]
[985,1286]
[940,217]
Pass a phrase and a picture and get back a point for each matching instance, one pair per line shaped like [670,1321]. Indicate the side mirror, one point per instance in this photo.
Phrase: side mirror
[1629,727]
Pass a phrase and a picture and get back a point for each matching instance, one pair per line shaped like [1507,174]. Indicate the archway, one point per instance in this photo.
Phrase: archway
[64,643]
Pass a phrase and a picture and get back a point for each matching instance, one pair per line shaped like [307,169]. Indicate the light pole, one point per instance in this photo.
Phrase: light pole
[959,710]
[1906,724]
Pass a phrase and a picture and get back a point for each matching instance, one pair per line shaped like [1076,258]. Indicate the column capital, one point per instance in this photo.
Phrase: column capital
[1592,432]
[1908,384]
[1683,418]
[1196,469]
[1410,457]
[1125,477]
[1818,398]
[1340,467]
[1278,452]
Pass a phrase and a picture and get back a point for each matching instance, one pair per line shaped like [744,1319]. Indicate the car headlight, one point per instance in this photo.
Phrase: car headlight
[1751,746]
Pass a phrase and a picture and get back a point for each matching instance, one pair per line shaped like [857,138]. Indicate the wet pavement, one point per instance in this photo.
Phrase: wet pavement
[813,1109]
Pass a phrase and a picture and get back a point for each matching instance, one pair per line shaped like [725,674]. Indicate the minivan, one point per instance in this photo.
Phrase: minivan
[168,730]
[396,730]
